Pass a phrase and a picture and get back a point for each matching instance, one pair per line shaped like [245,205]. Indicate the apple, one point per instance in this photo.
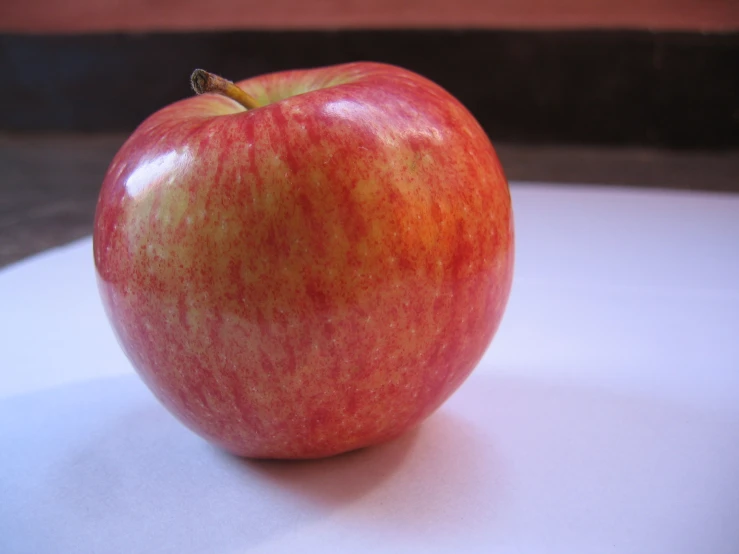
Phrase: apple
[306,262]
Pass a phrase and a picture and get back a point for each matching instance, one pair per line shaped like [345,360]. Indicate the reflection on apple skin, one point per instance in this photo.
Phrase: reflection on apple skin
[149,173]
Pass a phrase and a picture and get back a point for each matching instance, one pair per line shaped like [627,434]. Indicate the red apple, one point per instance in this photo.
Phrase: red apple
[311,276]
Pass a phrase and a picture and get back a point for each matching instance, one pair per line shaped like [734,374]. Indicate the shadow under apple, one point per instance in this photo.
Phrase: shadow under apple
[101,466]
[440,465]
[514,462]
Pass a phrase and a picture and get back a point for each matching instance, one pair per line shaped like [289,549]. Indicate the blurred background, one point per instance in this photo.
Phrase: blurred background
[639,93]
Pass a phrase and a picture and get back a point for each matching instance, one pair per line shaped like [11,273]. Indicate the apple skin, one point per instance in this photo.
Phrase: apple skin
[312,276]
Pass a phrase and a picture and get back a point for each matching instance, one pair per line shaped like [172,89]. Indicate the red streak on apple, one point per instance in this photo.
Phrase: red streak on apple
[312,276]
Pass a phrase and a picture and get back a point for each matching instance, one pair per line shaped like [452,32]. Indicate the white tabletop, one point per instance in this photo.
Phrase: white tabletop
[604,418]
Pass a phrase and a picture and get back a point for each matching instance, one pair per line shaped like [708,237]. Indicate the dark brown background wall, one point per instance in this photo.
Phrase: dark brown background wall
[659,73]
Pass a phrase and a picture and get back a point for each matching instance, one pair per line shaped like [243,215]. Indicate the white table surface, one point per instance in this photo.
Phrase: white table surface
[604,418]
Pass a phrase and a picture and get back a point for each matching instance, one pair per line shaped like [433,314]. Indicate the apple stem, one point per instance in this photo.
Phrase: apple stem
[202,81]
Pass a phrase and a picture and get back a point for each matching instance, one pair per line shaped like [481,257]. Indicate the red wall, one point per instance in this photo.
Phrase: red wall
[147,15]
